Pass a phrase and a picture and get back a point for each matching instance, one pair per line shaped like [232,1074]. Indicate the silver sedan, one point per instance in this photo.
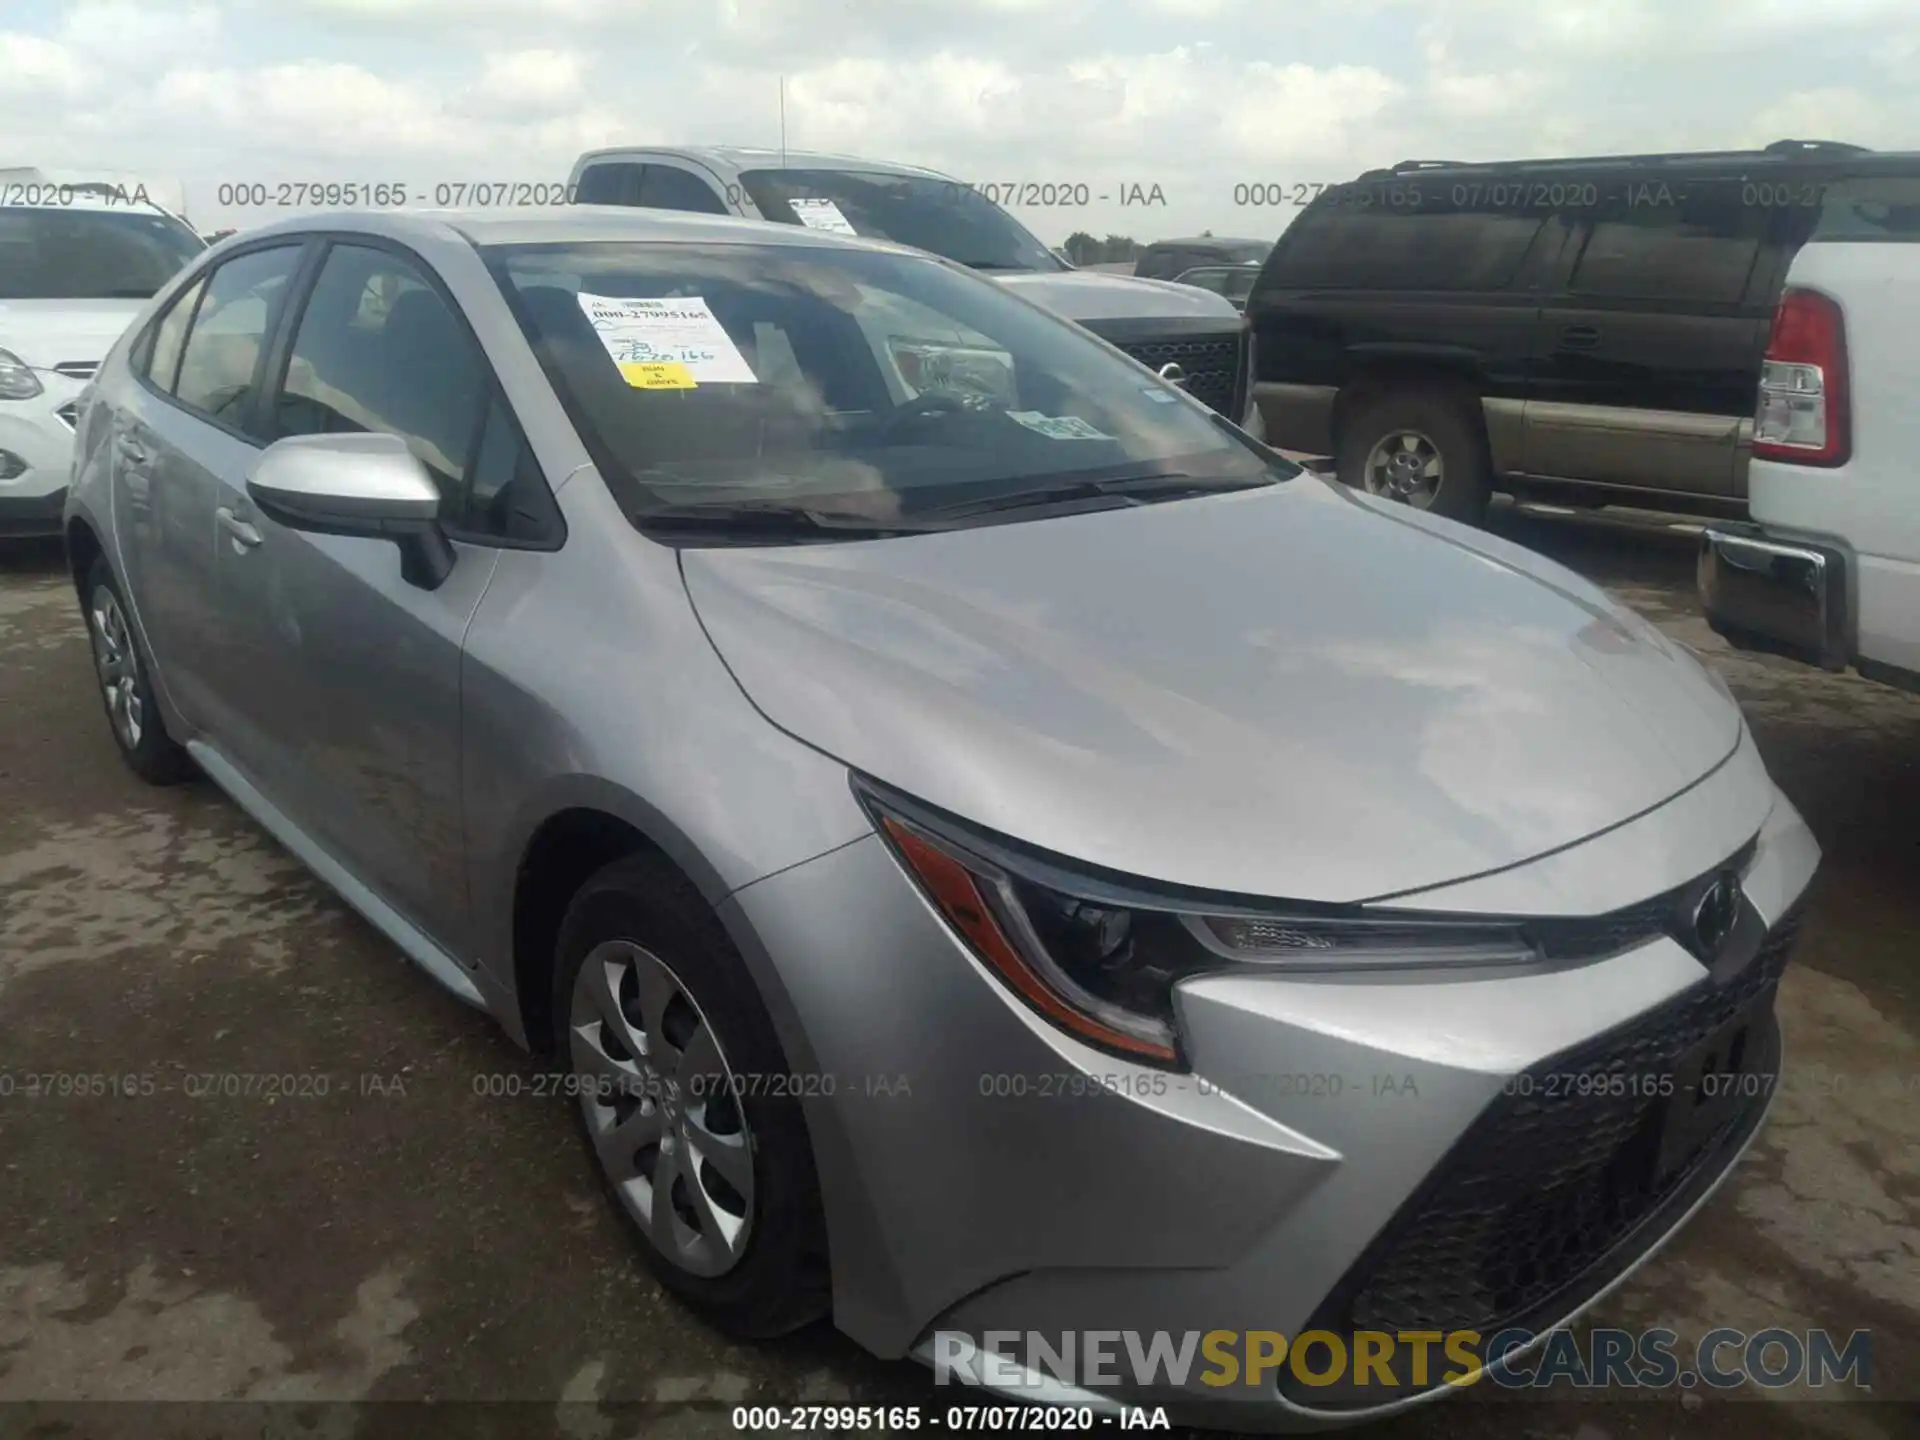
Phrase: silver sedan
[991,846]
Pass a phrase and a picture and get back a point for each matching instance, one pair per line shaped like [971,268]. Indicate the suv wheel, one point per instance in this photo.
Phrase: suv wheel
[681,1098]
[126,688]
[1420,447]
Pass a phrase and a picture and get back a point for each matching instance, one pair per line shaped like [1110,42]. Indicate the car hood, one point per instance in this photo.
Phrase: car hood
[1090,295]
[46,333]
[1284,692]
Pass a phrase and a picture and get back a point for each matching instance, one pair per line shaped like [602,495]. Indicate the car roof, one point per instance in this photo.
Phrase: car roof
[572,224]
[744,157]
[1785,154]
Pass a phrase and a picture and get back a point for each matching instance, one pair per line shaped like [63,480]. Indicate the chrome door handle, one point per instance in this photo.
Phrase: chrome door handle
[243,535]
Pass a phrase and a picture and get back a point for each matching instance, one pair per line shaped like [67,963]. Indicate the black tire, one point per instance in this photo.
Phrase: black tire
[1449,419]
[781,1281]
[154,756]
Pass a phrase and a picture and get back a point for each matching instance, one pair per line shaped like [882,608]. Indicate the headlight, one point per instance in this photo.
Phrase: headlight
[17,380]
[1101,960]
[928,365]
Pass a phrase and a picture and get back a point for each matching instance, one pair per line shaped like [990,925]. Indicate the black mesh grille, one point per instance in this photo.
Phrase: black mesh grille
[1211,362]
[1543,1199]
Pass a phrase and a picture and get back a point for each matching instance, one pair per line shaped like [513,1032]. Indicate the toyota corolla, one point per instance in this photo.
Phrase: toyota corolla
[994,847]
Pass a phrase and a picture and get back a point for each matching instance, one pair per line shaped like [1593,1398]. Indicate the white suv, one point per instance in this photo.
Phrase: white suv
[1830,574]
[78,259]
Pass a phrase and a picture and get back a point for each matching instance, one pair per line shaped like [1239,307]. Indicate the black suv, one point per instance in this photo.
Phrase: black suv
[1588,329]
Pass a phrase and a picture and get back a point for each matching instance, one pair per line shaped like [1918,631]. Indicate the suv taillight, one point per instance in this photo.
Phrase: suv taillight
[1802,417]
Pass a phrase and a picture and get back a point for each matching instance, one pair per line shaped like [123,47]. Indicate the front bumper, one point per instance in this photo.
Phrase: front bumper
[36,456]
[1769,593]
[31,516]
[1345,1154]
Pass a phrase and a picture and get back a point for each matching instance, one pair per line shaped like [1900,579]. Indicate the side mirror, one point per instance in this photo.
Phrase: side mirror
[1060,253]
[365,485]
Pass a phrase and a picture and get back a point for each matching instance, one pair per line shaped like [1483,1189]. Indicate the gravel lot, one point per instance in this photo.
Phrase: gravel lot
[401,1238]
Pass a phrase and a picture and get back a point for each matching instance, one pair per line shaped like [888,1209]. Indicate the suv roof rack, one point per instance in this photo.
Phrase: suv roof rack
[1779,150]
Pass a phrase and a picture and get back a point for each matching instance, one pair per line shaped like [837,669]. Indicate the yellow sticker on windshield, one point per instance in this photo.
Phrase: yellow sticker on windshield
[658,375]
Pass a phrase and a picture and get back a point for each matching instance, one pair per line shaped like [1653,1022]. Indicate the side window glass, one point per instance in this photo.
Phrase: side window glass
[167,339]
[1658,244]
[507,497]
[1357,242]
[667,187]
[222,352]
[379,350]
[613,182]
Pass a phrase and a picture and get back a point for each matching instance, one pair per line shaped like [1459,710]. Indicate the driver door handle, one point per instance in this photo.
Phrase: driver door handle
[243,535]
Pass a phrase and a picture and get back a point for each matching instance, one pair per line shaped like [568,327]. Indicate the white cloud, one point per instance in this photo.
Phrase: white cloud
[1193,95]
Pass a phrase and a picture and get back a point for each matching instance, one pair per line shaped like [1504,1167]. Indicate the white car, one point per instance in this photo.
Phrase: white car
[78,260]
[1197,340]
[1830,571]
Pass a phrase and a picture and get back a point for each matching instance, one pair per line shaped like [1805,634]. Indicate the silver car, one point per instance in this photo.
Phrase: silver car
[994,847]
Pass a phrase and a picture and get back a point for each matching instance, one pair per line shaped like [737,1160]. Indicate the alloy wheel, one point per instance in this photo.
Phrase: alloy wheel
[1405,465]
[118,666]
[662,1107]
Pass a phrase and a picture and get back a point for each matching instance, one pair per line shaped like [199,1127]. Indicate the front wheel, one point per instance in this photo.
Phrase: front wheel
[1421,448]
[686,1102]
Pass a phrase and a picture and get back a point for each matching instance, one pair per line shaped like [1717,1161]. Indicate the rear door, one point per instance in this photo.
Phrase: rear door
[182,430]
[1646,357]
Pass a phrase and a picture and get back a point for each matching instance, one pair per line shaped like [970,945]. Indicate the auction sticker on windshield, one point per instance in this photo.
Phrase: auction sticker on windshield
[673,344]
[1057,427]
[819,214]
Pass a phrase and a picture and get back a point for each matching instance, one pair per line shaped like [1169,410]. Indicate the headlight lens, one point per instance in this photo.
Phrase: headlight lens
[17,380]
[1103,965]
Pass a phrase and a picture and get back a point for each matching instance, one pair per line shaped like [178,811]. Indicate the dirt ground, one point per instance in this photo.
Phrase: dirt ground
[374,1230]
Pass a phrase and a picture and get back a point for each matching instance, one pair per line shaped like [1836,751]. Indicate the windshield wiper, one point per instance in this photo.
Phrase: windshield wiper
[777,518]
[1132,489]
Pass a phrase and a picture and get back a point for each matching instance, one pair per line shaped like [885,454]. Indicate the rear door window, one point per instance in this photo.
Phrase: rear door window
[668,187]
[1692,240]
[1350,240]
[611,182]
[161,362]
[221,359]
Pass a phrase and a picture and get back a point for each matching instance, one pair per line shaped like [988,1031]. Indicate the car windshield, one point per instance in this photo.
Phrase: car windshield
[944,216]
[71,253]
[804,378]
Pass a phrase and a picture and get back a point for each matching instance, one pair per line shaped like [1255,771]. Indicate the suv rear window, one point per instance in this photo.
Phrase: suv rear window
[1337,244]
[1875,209]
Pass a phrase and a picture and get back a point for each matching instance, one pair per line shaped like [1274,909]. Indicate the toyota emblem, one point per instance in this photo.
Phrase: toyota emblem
[1715,916]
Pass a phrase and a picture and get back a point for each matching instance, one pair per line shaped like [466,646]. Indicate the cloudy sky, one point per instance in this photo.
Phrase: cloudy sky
[1196,96]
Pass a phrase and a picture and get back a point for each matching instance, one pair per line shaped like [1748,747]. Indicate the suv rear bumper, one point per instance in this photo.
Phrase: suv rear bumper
[1784,596]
